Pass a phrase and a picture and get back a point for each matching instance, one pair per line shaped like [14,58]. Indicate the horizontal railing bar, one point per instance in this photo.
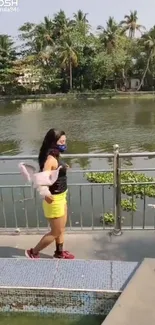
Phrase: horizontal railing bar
[136,169]
[90,170]
[90,184]
[90,155]
[83,184]
[83,155]
[137,183]
[136,154]
[44,230]
[83,171]
[34,230]
[70,184]
[29,157]
[72,171]
[9,173]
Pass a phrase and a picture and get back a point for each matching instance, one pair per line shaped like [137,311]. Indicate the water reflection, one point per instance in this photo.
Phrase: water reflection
[8,108]
[91,126]
[144,118]
[9,147]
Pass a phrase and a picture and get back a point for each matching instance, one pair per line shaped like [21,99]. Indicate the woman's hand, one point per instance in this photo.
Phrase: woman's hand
[67,166]
[48,199]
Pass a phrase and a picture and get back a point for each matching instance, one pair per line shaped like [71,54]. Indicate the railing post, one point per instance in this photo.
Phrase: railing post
[117,231]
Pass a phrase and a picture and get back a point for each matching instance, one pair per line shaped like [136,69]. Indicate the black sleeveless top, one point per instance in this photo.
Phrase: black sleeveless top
[60,186]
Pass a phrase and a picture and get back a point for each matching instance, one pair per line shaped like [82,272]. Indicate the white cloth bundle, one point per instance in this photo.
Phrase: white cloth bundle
[41,181]
[151,205]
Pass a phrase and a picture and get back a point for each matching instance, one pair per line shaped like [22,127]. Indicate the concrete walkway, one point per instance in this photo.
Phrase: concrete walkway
[131,246]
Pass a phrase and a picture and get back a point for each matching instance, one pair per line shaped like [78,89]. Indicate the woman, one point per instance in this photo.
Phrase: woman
[55,206]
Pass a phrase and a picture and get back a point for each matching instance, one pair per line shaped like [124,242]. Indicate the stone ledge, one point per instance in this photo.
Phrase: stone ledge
[136,304]
[62,286]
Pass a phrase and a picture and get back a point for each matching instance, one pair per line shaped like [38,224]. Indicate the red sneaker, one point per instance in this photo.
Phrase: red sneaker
[29,254]
[64,255]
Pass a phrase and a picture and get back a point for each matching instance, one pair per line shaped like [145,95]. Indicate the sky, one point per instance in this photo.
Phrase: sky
[98,12]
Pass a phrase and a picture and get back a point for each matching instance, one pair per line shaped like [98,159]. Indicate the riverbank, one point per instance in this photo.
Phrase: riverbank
[61,97]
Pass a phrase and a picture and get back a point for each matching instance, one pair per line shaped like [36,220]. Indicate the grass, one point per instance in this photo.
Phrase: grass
[37,319]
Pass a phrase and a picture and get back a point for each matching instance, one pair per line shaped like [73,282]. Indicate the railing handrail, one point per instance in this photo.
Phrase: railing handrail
[136,154]
[84,155]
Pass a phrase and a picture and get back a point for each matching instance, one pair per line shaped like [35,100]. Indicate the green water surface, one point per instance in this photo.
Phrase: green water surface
[26,319]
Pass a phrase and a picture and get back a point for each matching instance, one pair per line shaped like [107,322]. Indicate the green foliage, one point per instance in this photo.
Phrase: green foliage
[127,177]
[128,205]
[130,186]
[109,219]
[67,56]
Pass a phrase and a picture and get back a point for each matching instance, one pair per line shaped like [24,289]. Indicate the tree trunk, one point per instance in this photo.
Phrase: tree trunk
[70,75]
[145,72]
[124,79]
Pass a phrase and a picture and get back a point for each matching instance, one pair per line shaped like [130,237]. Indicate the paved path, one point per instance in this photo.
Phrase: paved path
[131,246]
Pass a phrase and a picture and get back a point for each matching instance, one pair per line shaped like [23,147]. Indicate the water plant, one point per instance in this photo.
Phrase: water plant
[130,183]
[134,185]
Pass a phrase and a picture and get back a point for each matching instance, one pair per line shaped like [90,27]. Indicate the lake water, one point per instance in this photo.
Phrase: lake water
[16,319]
[91,126]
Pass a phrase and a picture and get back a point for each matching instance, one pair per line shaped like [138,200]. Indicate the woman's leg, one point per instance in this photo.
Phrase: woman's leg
[57,226]
[60,253]
[60,239]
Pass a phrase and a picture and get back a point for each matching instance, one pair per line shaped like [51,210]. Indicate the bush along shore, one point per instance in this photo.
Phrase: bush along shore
[75,96]
[133,191]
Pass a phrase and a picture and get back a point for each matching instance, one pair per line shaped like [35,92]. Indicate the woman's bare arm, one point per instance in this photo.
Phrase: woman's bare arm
[50,164]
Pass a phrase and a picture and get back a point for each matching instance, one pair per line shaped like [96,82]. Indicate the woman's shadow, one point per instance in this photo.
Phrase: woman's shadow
[13,252]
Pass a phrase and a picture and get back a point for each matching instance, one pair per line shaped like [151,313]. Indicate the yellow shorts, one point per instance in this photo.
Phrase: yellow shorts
[57,208]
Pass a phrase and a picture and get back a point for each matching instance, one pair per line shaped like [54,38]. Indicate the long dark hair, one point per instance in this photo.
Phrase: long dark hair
[49,146]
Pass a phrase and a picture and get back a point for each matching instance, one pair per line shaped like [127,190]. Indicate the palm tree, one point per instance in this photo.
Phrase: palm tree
[39,39]
[81,17]
[69,59]
[109,34]
[60,25]
[43,41]
[6,46]
[7,59]
[148,40]
[130,24]
[27,34]
[81,22]
[45,31]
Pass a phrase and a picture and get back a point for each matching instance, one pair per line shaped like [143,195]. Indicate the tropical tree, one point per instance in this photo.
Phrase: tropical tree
[7,58]
[27,35]
[43,35]
[81,22]
[80,16]
[130,24]
[63,53]
[61,25]
[69,59]
[109,34]
[148,41]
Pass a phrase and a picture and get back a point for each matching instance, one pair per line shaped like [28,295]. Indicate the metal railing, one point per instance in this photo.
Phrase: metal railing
[21,207]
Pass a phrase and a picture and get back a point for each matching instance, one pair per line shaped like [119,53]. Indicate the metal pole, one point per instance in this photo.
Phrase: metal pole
[117,231]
